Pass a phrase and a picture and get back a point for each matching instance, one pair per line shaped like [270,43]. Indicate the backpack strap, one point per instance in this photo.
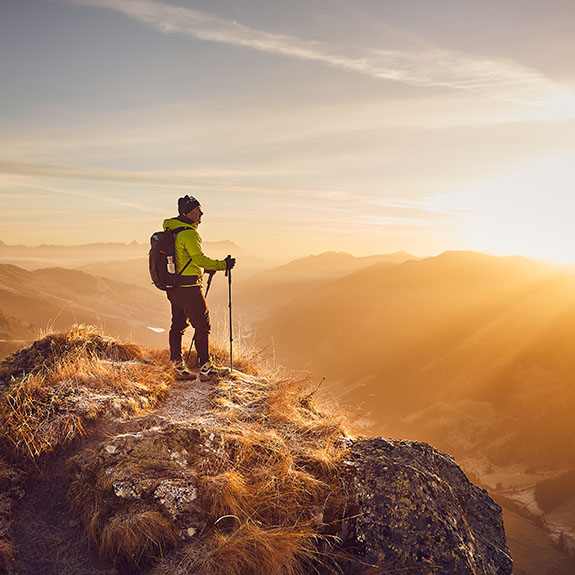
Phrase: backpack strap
[182,270]
[177,231]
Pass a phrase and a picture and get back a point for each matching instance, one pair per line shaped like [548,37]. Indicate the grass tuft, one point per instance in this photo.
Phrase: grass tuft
[253,550]
[229,494]
[134,540]
[51,391]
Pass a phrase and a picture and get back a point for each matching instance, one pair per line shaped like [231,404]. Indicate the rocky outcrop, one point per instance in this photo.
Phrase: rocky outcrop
[417,509]
[408,506]
[237,476]
[154,481]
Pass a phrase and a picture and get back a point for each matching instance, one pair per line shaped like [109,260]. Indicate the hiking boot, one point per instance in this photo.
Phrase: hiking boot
[181,371]
[209,370]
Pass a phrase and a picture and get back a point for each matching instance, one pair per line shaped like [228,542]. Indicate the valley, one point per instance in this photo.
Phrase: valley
[469,352]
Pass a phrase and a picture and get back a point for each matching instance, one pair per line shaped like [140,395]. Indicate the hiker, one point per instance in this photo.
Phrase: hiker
[188,302]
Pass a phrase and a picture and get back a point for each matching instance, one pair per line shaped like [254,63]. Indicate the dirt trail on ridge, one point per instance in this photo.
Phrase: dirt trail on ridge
[49,536]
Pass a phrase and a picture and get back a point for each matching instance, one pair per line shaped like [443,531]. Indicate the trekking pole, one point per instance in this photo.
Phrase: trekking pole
[210,273]
[229,276]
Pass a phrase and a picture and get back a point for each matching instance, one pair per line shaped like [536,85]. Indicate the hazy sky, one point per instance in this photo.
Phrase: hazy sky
[366,126]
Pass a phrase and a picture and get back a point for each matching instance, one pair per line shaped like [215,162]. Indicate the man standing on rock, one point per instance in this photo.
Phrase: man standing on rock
[188,302]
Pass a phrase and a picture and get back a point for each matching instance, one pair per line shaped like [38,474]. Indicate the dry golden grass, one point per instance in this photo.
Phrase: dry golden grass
[229,494]
[134,540]
[85,497]
[254,550]
[274,496]
[54,389]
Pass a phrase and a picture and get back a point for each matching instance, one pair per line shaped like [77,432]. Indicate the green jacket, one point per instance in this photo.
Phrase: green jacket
[189,246]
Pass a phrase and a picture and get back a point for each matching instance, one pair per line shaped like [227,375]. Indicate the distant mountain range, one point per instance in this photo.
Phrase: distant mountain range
[33,257]
[338,264]
[55,298]
[118,293]
[136,271]
[264,293]
[488,338]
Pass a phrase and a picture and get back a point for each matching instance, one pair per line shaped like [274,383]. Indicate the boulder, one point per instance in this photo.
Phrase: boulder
[415,509]
[152,481]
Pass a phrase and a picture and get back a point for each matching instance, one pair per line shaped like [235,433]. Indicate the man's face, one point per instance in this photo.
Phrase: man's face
[195,215]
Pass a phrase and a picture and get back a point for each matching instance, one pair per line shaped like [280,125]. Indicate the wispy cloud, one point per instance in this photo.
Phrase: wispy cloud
[88,195]
[33,177]
[425,204]
[393,221]
[414,64]
[21,173]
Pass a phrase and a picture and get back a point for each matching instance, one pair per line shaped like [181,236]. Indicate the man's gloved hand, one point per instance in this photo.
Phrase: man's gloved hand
[230,262]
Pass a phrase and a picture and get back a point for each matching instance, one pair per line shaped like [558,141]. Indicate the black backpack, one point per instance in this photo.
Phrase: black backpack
[161,259]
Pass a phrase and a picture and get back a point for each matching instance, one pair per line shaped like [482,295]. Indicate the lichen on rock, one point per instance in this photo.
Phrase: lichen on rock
[156,470]
[416,507]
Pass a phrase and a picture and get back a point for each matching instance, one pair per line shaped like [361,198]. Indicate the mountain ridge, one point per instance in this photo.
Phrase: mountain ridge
[245,474]
[56,298]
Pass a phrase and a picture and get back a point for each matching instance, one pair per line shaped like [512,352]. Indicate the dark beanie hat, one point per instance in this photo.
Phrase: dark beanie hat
[187,204]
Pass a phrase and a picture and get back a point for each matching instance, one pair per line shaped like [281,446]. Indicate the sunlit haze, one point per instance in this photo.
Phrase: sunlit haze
[367,126]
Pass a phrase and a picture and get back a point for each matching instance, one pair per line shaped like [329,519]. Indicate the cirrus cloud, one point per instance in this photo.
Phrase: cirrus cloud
[414,63]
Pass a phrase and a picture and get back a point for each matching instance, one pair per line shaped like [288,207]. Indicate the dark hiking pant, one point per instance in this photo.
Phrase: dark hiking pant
[189,307]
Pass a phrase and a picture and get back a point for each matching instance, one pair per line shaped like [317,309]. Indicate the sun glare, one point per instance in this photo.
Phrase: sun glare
[529,212]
